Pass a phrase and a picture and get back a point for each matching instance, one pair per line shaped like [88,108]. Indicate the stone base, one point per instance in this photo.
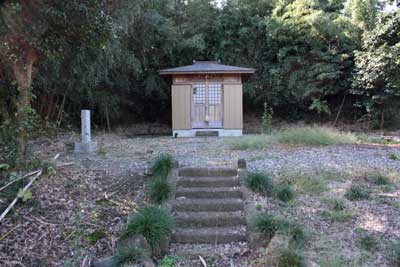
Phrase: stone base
[90,147]
[198,132]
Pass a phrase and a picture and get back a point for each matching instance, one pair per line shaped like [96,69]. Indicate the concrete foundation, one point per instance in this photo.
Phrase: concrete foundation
[195,132]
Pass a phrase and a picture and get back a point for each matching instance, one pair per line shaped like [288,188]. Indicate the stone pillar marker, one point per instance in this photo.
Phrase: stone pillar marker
[86,146]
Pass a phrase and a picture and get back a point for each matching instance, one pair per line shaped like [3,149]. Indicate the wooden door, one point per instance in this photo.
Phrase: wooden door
[207,106]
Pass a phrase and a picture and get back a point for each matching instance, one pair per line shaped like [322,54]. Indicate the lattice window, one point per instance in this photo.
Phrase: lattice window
[199,94]
[214,94]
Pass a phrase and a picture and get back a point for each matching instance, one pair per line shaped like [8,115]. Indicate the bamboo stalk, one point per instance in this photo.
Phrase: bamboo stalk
[16,198]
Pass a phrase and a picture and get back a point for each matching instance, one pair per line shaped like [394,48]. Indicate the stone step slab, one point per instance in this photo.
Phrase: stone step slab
[207,172]
[210,182]
[205,192]
[209,219]
[212,235]
[197,205]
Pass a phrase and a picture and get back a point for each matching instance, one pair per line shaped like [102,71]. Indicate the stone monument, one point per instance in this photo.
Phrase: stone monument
[87,145]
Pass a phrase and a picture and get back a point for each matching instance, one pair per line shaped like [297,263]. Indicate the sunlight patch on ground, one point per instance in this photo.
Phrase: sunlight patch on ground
[372,223]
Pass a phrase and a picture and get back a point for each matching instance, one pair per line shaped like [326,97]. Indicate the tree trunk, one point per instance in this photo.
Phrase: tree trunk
[23,75]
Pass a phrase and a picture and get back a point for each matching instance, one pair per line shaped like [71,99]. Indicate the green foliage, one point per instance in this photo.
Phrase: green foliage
[95,236]
[394,253]
[357,192]
[291,258]
[128,255]
[249,142]
[315,136]
[365,240]
[258,206]
[269,225]
[159,190]
[377,79]
[259,182]
[168,261]
[153,223]
[284,192]
[337,211]
[266,119]
[394,156]
[378,178]
[162,165]
[306,183]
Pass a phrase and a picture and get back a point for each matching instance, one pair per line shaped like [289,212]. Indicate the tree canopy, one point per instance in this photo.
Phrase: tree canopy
[310,56]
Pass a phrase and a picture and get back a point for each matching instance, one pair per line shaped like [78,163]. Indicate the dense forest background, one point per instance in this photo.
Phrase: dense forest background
[313,57]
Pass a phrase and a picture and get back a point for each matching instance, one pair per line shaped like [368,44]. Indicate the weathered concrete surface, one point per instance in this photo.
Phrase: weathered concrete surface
[87,145]
[230,204]
[215,192]
[213,235]
[207,172]
[210,182]
[209,219]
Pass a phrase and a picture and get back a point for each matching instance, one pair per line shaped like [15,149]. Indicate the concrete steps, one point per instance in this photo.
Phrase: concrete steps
[213,235]
[210,182]
[190,204]
[215,192]
[209,219]
[208,207]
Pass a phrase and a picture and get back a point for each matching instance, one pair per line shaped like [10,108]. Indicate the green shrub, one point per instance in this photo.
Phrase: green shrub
[266,224]
[394,156]
[153,223]
[249,142]
[291,258]
[258,206]
[378,178]
[357,192]
[336,204]
[308,184]
[259,182]
[159,190]
[395,254]
[315,136]
[269,225]
[283,192]
[366,241]
[168,261]
[162,165]
[128,255]
[337,215]
[266,119]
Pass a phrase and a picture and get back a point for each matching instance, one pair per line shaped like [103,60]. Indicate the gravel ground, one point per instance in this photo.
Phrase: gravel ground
[121,159]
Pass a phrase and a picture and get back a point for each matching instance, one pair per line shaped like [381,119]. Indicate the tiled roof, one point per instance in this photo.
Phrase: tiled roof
[199,67]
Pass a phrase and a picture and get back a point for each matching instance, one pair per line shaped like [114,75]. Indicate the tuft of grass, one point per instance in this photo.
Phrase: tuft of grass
[258,206]
[394,156]
[291,258]
[249,142]
[308,184]
[269,225]
[95,236]
[284,192]
[357,192]
[336,204]
[365,240]
[337,215]
[259,182]
[159,190]
[378,178]
[394,253]
[162,165]
[153,223]
[128,255]
[168,261]
[315,136]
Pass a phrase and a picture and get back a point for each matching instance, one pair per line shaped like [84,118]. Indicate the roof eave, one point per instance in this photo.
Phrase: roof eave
[250,71]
